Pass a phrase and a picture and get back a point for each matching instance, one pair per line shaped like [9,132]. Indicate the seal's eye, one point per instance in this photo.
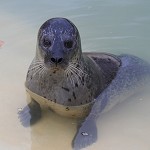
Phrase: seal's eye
[46,42]
[68,44]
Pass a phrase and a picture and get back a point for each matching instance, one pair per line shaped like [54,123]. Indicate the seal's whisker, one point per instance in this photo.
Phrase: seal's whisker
[35,67]
[36,71]
[37,62]
[41,72]
[72,79]
[66,74]
[69,75]
[77,68]
[77,71]
[41,69]
[76,75]
[84,73]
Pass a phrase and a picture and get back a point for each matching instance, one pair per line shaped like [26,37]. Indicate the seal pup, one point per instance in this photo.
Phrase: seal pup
[62,75]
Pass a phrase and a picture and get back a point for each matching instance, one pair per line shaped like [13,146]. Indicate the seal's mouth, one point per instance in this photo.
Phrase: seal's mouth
[55,69]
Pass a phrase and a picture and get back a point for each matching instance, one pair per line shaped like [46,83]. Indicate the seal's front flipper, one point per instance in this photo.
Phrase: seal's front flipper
[86,134]
[30,114]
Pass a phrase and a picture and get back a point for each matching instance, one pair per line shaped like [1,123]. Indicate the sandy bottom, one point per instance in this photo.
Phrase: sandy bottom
[125,127]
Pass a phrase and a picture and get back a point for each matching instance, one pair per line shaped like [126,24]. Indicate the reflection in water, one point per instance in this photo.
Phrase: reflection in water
[100,23]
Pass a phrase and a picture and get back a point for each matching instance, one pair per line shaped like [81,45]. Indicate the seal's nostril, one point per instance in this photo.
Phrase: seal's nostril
[56,60]
[59,60]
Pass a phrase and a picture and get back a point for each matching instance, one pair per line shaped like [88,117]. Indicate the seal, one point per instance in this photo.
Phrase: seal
[61,76]
[61,73]
[73,83]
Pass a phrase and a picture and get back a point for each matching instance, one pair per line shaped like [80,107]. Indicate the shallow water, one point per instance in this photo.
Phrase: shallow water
[115,26]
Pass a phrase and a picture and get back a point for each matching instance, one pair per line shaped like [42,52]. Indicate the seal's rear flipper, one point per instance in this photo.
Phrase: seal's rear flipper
[30,114]
[86,134]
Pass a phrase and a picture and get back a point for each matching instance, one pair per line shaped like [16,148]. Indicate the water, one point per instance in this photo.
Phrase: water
[115,26]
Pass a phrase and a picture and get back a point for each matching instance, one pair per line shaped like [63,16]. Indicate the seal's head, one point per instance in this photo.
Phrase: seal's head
[58,43]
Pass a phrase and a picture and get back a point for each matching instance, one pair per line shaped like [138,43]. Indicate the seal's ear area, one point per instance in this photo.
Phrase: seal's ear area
[30,114]
[86,134]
